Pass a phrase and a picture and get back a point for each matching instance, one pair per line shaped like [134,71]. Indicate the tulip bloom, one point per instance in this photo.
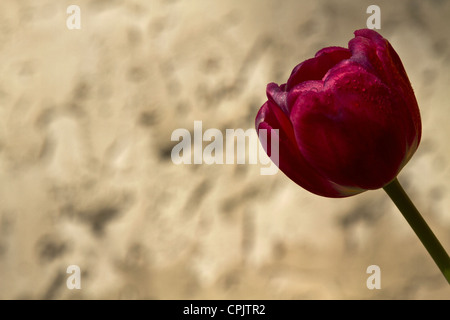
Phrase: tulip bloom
[348,119]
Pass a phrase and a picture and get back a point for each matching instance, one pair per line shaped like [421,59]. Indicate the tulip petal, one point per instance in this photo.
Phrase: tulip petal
[277,96]
[317,67]
[354,122]
[291,161]
[310,85]
[376,54]
[387,56]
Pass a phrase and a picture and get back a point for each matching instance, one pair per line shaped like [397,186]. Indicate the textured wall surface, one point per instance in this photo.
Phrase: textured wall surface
[86,176]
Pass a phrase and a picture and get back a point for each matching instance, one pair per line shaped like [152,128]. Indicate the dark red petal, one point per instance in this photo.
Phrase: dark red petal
[364,52]
[352,132]
[317,67]
[310,85]
[407,93]
[376,54]
[291,162]
[277,96]
[383,49]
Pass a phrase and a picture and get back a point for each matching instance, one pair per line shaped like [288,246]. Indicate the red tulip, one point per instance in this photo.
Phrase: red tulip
[348,119]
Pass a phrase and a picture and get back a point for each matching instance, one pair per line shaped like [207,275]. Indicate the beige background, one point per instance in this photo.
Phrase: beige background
[86,176]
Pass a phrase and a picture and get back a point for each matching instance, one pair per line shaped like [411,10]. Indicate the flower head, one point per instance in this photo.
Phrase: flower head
[348,119]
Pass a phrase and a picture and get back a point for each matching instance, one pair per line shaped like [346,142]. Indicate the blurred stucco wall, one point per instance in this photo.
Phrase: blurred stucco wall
[86,176]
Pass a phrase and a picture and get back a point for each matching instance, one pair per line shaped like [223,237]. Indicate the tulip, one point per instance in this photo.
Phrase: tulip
[348,121]
[348,118]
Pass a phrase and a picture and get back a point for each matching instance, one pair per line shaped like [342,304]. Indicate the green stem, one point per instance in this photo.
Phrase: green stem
[420,227]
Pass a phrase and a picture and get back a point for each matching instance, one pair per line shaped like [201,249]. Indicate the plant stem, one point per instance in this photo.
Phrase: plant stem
[420,227]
